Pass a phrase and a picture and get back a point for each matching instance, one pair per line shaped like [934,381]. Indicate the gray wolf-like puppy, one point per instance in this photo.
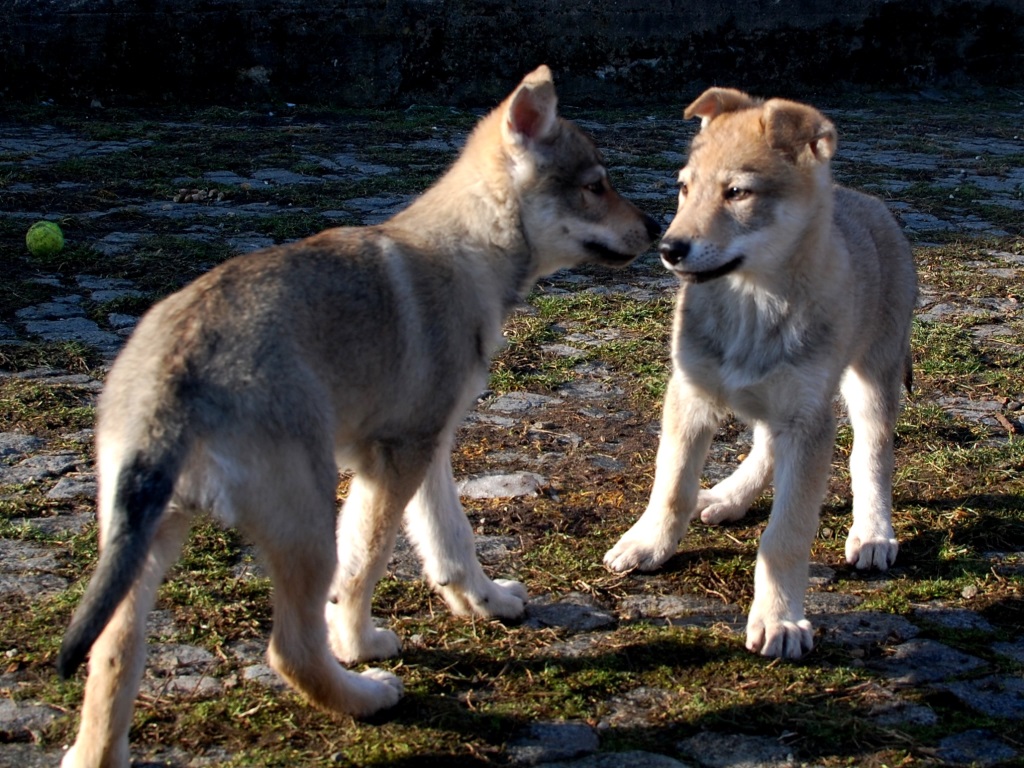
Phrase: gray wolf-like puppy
[362,347]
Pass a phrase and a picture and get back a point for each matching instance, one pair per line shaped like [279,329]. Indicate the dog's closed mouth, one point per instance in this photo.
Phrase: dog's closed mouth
[710,274]
[606,255]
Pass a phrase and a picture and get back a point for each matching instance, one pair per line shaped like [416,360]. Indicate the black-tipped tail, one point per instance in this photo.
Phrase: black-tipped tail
[144,489]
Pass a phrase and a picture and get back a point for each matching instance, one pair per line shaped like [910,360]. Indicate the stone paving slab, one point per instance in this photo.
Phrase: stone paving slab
[501,486]
[552,742]
[571,613]
[19,719]
[36,469]
[977,748]
[632,759]
[15,444]
[920,661]
[998,696]
[891,709]
[862,629]
[722,750]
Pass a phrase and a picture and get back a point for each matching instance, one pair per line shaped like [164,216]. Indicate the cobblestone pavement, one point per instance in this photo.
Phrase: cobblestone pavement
[987,682]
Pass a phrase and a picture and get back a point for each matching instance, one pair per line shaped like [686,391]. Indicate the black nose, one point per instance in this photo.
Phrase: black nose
[653,228]
[674,251]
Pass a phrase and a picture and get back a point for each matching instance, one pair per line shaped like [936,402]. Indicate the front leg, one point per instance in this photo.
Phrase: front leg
[440,530]
[776,625]
[688,424]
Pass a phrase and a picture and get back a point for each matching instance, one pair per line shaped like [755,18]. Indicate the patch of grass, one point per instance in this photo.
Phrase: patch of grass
[124,305]
[646,360]
[161,264]
[285,227]
[32,629]
[70,261]
[1004,216]
[36,408]
[72,356]
[18,293]
[947,352]
[521,364]
[217,604]
[946,201]
[639,347]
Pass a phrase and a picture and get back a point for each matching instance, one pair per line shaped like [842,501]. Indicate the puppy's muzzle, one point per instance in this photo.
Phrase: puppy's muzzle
[674,252]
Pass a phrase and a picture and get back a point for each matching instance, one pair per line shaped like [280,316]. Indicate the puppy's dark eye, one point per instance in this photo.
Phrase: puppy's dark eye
[683,189]
[733,194]
[596,187]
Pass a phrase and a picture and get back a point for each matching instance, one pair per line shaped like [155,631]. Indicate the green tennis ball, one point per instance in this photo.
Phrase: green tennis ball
[44,238]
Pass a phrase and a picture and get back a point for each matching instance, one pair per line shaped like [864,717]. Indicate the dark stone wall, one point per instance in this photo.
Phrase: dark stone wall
[393,52]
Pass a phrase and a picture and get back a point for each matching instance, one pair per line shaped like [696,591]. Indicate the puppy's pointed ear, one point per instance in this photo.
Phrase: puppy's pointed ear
[800,132]
[532,110]
[715,101]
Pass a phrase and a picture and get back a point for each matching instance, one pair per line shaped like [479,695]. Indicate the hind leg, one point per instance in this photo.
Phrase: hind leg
[302,567]
[300,550]
[443,536]
[873,402]
[118,658]
[731,498]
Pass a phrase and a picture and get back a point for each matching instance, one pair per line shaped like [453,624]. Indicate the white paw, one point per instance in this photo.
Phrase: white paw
[509,599]
[374,690]
[779,638]
[715,509]
[877,551]
[498,599]
[633,552]
[355,647]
